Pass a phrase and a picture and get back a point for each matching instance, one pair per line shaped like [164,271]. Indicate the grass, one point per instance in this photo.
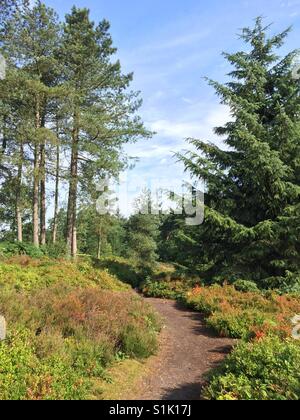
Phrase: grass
[123,384]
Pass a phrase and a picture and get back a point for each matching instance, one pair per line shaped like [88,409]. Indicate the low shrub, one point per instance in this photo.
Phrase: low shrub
[25,376]
[167,285]
[163,289]
[138,344]
[122,268]
[267,369]
[21,248]
[11,249]
[25,273]
[245,286]
[67,323]
[244,314]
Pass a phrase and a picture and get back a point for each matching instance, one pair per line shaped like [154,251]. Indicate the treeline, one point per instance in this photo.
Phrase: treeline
[66,111]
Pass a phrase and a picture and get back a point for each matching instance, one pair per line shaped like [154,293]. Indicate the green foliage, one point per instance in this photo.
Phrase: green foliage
[100,236]
[124,269]
[161,289]
[67,323]
[239,325]
[252,214]
[23,273]
[168,282]
[24,376]
[135,343]
[244,314]
[142,241]
[11,249]
[263,370]
[21,248]
[54,251]
[172,289]
[245,286]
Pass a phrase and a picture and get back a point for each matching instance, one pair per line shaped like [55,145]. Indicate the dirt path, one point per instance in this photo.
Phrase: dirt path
[188,351]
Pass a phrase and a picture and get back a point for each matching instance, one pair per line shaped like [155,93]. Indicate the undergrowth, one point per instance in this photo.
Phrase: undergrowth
[67,323]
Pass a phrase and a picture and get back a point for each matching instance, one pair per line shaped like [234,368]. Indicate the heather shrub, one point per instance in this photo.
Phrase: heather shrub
[239,324]
[23,375]
[24,273]
[93,314]
[163,289]
[267,369]
[67,323]
[244,314]
[167,286]
[62,337]
[137,343]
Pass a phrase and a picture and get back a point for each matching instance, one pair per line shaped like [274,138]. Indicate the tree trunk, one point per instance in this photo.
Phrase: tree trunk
[56,198]
[36,174]
[99,247]
[99,250]
[74,243]
[18,196]
[43,194]
[72,201]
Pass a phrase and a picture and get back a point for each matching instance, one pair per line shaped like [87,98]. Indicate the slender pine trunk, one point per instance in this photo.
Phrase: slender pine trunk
[99,247]
[74,243]
[56,197]
[43,194]
[36,174]
[18,196]
[99,250]
[72,201]
[43,187]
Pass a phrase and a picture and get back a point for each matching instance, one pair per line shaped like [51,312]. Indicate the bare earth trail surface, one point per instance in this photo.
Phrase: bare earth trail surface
[188,351]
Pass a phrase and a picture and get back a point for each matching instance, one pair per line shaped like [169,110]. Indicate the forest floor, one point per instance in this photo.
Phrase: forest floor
[188,350]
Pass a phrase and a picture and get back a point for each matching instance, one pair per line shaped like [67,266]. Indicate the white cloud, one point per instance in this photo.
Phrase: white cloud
[172,134]
[196,127]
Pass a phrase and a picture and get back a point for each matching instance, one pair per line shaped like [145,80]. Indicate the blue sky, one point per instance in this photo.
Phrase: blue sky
[170,45]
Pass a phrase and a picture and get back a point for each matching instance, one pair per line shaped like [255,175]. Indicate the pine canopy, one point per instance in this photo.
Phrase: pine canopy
[252,226]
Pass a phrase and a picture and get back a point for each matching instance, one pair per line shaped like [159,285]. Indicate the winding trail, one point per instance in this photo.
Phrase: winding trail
[188,351]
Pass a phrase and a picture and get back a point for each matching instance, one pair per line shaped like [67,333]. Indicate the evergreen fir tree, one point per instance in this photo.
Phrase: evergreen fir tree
[253,186]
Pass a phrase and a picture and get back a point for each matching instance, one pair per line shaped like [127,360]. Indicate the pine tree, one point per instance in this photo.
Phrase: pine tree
[30,42]
[142,233]
[253,186]
[102,110]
